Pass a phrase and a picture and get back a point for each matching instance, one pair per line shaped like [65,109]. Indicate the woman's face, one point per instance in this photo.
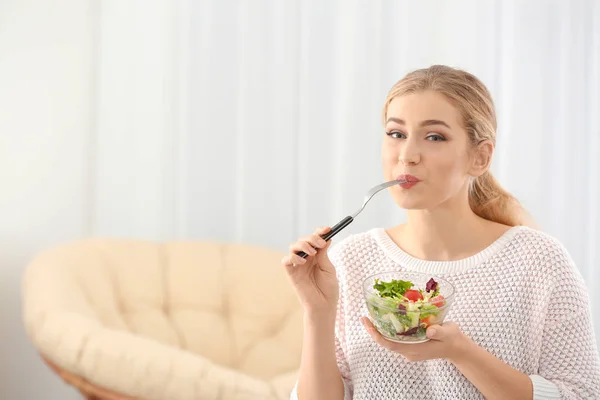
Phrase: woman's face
[426,145]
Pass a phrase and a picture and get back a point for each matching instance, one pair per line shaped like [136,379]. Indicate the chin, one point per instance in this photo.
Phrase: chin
[410,204]
[410,201]
[413,205]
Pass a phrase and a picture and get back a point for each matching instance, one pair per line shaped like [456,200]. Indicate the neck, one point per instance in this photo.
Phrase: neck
[450,232]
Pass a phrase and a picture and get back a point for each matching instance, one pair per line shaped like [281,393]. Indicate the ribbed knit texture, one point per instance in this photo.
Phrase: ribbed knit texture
[522,299]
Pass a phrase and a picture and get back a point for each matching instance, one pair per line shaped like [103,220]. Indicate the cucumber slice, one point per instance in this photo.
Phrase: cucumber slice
[395,322]
[414,318]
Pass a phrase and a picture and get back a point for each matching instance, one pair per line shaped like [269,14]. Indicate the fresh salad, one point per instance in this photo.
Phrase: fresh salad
[400,310]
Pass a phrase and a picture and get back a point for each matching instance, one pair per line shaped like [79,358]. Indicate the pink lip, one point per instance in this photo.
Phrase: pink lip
[407,178]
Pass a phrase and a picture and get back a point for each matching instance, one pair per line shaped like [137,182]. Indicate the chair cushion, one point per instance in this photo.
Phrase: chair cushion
[177,320]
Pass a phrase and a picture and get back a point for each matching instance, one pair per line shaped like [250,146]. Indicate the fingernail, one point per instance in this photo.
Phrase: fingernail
[321,242]
[431,332]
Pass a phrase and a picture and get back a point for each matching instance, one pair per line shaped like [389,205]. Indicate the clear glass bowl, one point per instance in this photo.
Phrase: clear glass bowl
[406,321]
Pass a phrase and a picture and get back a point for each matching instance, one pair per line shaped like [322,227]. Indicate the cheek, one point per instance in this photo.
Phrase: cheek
[389,155]
[451,168]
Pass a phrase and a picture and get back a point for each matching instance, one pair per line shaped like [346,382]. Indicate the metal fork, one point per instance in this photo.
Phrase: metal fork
[346,221]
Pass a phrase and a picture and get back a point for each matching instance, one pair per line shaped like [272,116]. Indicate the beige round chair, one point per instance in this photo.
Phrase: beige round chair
[129,319]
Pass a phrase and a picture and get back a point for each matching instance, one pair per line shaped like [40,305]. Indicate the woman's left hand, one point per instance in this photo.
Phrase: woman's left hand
[447,341]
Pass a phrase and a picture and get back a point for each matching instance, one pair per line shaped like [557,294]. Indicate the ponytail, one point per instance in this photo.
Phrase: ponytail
[490,201]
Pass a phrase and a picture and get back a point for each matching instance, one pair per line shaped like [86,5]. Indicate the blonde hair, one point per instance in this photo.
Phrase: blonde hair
[473,100]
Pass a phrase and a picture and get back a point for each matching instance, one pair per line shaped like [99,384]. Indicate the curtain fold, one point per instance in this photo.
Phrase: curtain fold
[260,121]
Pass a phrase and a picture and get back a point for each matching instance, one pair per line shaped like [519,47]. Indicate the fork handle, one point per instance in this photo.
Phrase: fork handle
[334,231]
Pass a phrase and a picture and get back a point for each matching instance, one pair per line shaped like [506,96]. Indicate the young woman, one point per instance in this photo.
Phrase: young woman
[520,325]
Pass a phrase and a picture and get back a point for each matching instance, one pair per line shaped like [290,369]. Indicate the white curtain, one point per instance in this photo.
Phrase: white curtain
[258,121]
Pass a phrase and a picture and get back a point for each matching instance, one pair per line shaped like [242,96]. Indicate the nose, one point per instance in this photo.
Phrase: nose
[409,154]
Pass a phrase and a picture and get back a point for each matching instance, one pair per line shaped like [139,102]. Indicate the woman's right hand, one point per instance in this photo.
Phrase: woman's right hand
[313,277]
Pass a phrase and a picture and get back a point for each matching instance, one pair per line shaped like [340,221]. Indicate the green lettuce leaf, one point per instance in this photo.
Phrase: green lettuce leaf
[395,288]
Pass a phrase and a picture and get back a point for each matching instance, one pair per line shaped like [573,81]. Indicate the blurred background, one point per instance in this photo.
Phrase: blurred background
[257,121]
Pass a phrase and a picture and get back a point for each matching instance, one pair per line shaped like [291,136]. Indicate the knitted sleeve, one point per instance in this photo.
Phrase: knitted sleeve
[569,365]
[336,257]
[340,337]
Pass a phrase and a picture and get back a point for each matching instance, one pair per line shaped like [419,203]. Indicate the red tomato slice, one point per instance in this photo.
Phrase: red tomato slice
[429,320]
[413,295]
[438,301]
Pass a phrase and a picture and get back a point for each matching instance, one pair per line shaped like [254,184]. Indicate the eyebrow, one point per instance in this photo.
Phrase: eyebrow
[427,122]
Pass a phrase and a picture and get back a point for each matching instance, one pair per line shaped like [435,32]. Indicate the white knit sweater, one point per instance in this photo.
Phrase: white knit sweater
[522,299]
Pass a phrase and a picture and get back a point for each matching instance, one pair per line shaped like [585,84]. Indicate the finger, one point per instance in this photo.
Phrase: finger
[443,332]
[315,241]
[290,268]
[292,260]
[374,333]
[433,332]
[410,351]
[304,246]
[297,260]
[287,261]
[323,230]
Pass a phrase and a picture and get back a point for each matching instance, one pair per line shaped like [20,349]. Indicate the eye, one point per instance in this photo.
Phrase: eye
[396,135]
[435,137]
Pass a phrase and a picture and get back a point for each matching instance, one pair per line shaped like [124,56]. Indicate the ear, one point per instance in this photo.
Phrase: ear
[481,158]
